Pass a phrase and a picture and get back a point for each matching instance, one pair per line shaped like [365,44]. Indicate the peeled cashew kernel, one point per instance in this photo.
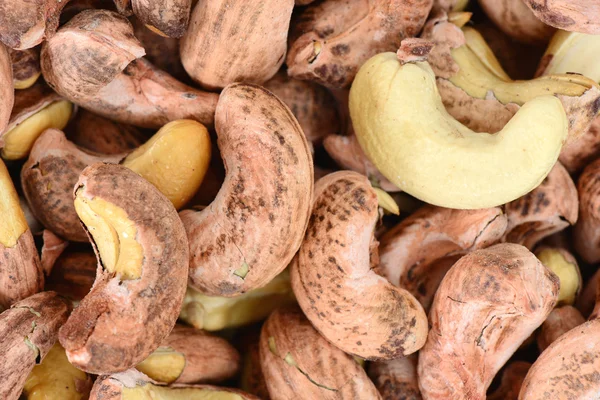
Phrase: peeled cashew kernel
[297,360]
[416,254]
[25,66]
[133,385]
[571,52]
[163,17]
[560,321]
[568,368]
[253,228]
[36,109]
[549,208]
[213,313]
[73,275]
[175,160]
[512,380]
[236,41]
[331,40]
[189,355]
[586,232]
[21,273]
[142,271]
[402,125]
[115,82]
[497,297]
[335,284]
[28,330]
[564,265]
[396,379]
[7,93]
[56,378]
[570,15]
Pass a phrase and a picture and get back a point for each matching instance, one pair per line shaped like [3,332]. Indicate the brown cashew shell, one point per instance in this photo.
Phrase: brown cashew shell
[26,67]
[417,253]
[497,297]
[167,17]
[355,309]
[28,330]
[236,41]
[586,233]
[53,246]
[252,379]
[559,321]
[512,380]
[547,209]
[396,379]
[120,322]
[7,93]
[577,154]
[255,225]
[73,275]
[587,302]
[568,368]
[569,15]
[297,360]
[330,40]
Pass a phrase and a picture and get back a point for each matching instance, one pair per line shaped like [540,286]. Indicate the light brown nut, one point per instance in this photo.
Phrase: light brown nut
[396,379]
[7,93]
[73,275]
[313,106]
[586,233]
[36,109]
[21,273]
[497,297]
[331,40]
[564,265]
[252,379]
[189,355]
[103,135]
[297,360]
[28,330]
[570,15]
[357,310]
[132,384]
[25,66]
[568,368]
[582,151]
[547,209]
[417,253]
[52,248]
[164,17]
[512,380]
[588,302]
[114,81]
[251,231]
[560,321]
[236,41]
[142,271]
[517,21]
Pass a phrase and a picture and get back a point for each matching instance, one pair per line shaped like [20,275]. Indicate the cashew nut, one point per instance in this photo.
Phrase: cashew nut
[586,233]
[7,93]
[396,379]
[564,265]
[559,321]
[571,15]
[25,66]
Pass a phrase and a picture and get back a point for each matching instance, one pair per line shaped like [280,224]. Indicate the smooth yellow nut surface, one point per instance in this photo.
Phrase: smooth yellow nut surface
[404,129]
[27,83]
[573,52]
[567,272]
[163,365]
[477,44]
[154,392]
[386,201]
[13,223]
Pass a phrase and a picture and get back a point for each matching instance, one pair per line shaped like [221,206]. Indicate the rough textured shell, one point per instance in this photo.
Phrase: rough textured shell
[6,88]
[258,219]
[170,17]
[396,379]
[354,308]
[586,233]
[570,15]
[583,150]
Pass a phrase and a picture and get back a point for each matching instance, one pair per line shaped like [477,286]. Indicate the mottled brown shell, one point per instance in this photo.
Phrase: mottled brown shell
[354,308]
[253,228]
[512,380]
[330,40]
[560,321]
[297,360]
[588,302]
[586,233]
[313,106]
[27,332]
[568,369]
[6,88]
[236,41]
[417,253]
[73,275]
[120,322]
[48,178]
[53,246]
[25,65]
[496,298]
[252,379]
[583,150]
[169,17]
[396,379]
[570,15]
[549,208]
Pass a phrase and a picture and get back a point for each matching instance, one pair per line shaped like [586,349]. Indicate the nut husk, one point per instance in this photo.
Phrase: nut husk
[6,88]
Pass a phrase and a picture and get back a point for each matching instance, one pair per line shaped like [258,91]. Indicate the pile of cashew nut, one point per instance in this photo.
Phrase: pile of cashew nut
[299,199]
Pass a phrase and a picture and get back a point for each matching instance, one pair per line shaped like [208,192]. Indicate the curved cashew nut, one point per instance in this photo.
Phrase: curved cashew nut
[354,308]
[570,15]
[253,228]
[142,271]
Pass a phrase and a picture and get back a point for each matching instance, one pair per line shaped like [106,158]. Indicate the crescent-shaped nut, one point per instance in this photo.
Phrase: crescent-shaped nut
[163,17]
[21,273]
[586,233]
[396,379]
[497,297]
[570,15]
[416,254]
[25,66]
[512,380]
[7,93]
[28,330]
[295,359]
[547,209]
[560,321]
[402,125]
[205,358]
[333,279]
[571,52]
[331,40]
[568,368]
[142,271]
[251,231]
[236,41]
[132,384]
